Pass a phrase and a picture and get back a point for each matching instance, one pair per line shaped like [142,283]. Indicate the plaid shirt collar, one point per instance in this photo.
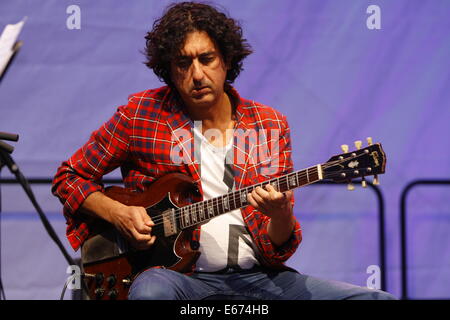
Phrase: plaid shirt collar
[178,117]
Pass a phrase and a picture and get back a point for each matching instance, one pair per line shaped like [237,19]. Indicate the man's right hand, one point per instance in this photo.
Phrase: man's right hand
[132,222]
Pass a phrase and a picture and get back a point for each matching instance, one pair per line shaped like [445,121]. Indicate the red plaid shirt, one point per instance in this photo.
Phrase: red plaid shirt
[140,137]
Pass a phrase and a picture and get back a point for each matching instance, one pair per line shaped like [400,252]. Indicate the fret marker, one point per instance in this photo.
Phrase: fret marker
[292,181]
[226,203]
[194,216]
[201,212]
[186,217]
[243,198]
[210,211]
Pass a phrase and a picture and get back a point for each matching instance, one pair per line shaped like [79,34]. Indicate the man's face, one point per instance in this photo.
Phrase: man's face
[199,72]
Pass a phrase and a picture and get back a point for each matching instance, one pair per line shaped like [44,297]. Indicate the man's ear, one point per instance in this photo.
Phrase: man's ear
[225,62]
[228,65]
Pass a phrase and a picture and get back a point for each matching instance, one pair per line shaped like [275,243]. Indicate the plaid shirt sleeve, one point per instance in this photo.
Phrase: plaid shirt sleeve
[280,164]
[283,158]
[81,175]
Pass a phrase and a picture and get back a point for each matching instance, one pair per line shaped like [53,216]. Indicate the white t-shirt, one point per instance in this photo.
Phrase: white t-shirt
[224,240]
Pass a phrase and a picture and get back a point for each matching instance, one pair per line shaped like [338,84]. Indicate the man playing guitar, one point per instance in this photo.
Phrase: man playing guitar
[198,52]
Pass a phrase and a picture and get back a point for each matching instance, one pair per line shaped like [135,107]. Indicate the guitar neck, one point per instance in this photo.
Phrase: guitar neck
[203,211]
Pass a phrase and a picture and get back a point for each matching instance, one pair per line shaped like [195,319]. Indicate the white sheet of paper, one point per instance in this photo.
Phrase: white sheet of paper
[7,40]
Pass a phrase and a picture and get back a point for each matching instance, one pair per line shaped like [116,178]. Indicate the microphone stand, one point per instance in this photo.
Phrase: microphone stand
[7,160]
[4,147]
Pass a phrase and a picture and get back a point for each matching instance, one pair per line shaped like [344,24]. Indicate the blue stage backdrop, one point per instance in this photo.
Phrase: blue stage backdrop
[339,70]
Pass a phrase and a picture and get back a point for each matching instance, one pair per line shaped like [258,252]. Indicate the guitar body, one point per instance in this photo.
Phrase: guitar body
[114,271]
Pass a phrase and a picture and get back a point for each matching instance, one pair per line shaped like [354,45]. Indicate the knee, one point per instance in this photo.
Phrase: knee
[152,284]
[382,295]
[372,294]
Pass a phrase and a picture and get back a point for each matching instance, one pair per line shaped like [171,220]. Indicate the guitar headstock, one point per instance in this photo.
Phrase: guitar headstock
[360,163]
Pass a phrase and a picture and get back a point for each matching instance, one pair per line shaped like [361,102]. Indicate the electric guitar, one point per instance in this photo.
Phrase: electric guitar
[173,204]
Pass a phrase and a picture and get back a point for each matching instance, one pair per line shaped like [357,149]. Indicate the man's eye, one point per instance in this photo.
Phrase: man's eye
[206,60]
[183,64]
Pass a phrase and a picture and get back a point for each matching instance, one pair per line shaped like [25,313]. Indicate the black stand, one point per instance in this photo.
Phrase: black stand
[7,160]
[4,147]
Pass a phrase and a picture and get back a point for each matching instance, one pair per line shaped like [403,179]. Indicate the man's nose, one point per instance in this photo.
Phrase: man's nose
[197,72]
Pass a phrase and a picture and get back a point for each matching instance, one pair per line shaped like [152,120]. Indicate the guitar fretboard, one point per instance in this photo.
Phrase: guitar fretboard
[203,211]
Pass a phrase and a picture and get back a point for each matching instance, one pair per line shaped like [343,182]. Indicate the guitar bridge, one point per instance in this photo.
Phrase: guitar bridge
[169,223]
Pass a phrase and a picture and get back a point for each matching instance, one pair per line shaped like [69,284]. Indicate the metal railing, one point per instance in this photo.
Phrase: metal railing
[403,236]
[381,227]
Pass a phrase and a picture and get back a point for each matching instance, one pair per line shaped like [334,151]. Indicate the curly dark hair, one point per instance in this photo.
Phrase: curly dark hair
[165,40]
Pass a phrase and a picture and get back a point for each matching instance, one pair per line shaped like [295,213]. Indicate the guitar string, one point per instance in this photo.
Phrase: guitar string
[236,195]
[216,201]
[192,209]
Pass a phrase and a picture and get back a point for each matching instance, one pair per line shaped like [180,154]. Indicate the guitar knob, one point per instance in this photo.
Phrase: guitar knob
[358,144]
[99,292]
[111,280]
[344,148]
[112,294]
[350,187]
[369,141]
[99,277]
[195,245]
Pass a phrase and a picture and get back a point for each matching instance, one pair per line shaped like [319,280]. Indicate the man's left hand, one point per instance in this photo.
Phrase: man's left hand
[272,203]
[278,207]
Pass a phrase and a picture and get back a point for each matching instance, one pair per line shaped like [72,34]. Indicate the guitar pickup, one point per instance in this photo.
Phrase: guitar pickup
[169,223]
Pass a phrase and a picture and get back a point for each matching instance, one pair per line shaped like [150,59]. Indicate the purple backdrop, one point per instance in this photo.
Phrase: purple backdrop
[318,62]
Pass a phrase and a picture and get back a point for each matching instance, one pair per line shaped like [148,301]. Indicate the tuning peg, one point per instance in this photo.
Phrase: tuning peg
[364,182]
[358,144]
[344,148]
[369,141]
[350,187]
[376,181]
